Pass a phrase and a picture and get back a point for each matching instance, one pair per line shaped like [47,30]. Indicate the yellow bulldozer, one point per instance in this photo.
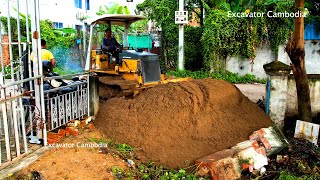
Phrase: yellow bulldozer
[136,70]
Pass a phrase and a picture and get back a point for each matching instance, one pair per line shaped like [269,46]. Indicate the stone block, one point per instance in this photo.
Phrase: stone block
[90,126]
[266,143]
[62,132]
[253,157]
[72,131]
[255,144]
[222,165]
[261,150]
[207,160]
[226,169]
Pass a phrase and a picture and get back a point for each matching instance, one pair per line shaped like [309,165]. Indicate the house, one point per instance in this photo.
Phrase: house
[65,13]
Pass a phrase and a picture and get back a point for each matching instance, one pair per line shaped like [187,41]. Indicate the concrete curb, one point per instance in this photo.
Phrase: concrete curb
[22,163]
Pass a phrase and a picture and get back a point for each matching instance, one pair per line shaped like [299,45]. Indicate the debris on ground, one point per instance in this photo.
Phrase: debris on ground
[300,159]
[250,155]
[72,129]
[307,130]
[176,123]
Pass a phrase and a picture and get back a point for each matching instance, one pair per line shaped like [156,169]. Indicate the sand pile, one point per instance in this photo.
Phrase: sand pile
[177,123]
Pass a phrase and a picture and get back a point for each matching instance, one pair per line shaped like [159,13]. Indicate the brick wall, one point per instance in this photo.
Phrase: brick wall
[5,51]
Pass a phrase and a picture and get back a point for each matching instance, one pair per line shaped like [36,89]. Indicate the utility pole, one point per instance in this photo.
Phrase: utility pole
[181,39]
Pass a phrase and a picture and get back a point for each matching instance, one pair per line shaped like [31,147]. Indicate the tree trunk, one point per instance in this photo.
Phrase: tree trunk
[296,52]
[201,13]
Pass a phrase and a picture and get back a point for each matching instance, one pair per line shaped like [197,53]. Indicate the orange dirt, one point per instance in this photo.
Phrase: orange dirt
[174,124]
[79,162]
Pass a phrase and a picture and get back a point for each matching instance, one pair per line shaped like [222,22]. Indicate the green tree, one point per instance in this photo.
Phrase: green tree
[162,12]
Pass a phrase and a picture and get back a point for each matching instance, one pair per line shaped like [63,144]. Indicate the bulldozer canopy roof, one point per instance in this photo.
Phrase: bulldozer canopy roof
[115,19]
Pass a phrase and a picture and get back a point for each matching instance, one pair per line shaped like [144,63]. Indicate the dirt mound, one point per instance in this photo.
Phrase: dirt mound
[176,123]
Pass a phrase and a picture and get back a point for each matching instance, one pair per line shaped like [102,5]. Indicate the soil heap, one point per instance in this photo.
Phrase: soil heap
[174,124]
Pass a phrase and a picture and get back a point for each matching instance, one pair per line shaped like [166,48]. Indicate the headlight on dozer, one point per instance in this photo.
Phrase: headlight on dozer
[113,59]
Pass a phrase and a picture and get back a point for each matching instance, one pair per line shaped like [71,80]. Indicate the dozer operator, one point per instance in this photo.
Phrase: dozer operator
[137,70]
[111,45]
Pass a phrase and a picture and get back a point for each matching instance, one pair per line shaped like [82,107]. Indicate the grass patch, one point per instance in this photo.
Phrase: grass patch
[63,71]
[227,76]
[139,170]
[288,176]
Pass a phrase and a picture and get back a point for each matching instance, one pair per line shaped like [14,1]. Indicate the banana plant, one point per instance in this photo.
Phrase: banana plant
[115,9]
[231,5]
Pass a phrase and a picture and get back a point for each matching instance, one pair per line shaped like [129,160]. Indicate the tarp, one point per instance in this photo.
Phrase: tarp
[139,41]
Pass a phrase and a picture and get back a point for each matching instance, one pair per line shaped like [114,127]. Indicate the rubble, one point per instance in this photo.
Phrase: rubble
[72,128]
[250,155]
[299,158]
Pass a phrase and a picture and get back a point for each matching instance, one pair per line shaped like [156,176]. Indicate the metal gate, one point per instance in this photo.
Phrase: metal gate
[27,111]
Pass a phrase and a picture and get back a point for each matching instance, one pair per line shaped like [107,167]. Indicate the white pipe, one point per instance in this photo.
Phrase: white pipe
[126,35]
[181,39]
[87,67]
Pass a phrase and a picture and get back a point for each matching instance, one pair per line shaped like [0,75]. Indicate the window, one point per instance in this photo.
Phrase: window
[87,4]
[311,31]
[78,4]
[58,25]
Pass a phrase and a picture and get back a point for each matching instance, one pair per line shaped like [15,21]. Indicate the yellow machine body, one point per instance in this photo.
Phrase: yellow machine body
[128,70]
[137,70]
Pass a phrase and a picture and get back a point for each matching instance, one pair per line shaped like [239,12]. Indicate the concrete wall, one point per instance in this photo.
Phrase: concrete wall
[278,101]
[264,55]
[292,102]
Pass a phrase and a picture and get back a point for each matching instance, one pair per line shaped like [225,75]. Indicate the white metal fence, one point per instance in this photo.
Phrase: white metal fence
[66,103]
[27,110]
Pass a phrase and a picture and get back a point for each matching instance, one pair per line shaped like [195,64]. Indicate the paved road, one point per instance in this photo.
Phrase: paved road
[253,91]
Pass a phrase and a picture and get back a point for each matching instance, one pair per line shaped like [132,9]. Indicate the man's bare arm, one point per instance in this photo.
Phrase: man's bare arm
[53,61]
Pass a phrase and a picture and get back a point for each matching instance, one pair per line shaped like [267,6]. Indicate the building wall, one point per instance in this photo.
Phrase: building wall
[63,10]
[292,101]
[264,55]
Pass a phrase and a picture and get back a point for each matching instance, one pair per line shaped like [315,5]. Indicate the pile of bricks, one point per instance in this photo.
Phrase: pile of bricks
[72,129]
[250,155]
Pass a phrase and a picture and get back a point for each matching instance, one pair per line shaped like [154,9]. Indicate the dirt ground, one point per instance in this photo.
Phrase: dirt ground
[82,161]
[209,116]
[174,124]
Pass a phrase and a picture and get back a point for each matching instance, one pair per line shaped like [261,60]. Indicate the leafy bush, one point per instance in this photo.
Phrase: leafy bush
[287,176]
[193,48]
[7,71]
[162,11]
[225,35]
[228,76]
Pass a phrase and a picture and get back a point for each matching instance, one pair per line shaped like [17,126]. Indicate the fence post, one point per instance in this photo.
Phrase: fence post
[94,95]
[278,73]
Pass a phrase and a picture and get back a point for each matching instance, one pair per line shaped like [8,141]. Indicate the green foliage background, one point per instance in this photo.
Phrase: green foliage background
[223,36]
[162,12]
[229,36]
[62,42]
[193,48]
